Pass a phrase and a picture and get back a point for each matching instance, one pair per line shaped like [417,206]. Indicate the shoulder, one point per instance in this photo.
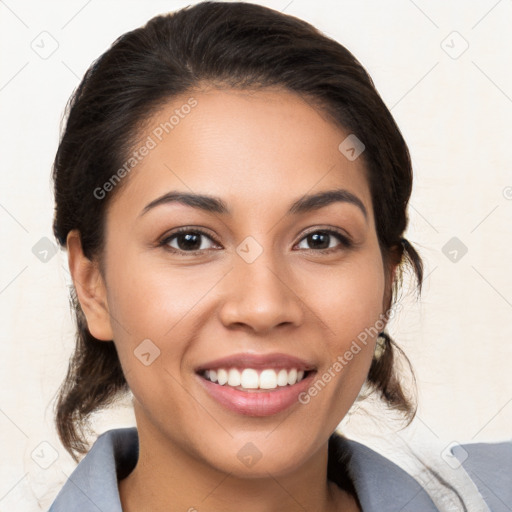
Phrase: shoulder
[93,485]
[380,484]
[489,465]
[475,477]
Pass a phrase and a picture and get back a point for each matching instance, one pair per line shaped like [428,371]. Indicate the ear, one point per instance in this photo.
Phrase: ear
[391,274]
[90,288]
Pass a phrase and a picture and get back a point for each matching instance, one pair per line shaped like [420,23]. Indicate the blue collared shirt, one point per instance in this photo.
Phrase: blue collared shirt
[381,485]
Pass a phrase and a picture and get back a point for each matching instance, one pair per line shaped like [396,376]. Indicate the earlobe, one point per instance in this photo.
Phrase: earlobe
[391,277]
[90,288]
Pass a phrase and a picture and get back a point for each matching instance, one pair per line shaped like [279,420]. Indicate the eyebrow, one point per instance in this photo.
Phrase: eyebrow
[214,204]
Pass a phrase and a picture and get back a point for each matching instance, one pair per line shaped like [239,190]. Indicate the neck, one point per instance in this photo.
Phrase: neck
[167,478]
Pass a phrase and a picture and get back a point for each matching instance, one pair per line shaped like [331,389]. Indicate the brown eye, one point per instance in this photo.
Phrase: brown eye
[321,240]
[187,240]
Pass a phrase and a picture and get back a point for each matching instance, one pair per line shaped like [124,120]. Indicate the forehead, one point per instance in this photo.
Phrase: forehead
[258,150]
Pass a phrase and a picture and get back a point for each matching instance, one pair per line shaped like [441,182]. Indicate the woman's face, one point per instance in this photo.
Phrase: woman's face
[256,281]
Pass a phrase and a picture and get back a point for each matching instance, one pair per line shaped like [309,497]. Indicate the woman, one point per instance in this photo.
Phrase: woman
[232,193]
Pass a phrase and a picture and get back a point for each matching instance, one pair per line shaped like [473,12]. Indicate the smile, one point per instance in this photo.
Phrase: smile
[252,379]
[256,401]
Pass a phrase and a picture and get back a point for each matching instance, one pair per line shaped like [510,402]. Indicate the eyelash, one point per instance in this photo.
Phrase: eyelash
[345,242]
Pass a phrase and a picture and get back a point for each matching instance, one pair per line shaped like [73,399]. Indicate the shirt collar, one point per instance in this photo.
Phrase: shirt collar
[380,484]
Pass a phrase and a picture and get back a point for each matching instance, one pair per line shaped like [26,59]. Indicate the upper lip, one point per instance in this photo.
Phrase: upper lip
[245,360]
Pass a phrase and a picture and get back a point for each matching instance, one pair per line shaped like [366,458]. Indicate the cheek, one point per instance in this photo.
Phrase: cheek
[155,313]
[150,299]
[350,306]
[348,299]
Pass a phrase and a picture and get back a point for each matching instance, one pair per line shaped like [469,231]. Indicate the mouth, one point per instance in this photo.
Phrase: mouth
[250,392]
[253,380]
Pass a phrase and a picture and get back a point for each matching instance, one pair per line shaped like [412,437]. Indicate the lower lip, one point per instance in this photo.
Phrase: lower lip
[257,403]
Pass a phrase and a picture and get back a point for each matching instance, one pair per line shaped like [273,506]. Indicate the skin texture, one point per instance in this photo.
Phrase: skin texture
[259,151]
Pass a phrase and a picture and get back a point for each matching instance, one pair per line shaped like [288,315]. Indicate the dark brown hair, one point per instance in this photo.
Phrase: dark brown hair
[236,45]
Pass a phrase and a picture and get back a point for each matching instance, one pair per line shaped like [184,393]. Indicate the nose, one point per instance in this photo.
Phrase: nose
[261,295]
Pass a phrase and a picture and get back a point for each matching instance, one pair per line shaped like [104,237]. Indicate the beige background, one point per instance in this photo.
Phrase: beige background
[454,108]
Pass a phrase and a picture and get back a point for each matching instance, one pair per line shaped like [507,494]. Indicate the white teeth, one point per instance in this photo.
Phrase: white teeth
[249,378]
[292,376]
[234,377]
[222,376]
[268,379]
[282,377]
